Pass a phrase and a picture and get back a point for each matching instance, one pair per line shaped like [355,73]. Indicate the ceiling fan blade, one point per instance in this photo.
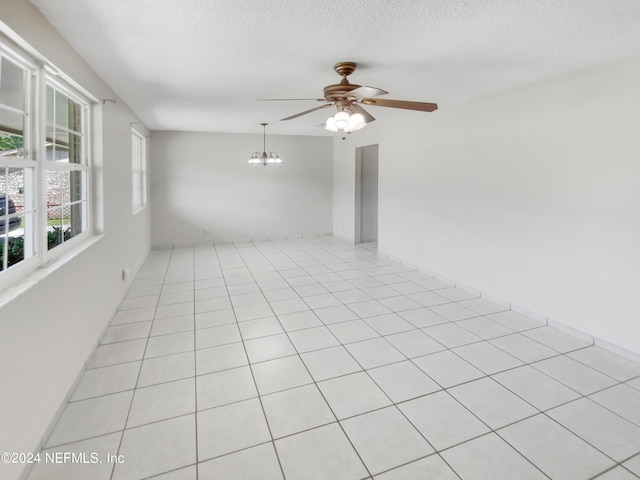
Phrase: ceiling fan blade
[290,99]
[355,108]
[384,102]
[306,111]
[366,92]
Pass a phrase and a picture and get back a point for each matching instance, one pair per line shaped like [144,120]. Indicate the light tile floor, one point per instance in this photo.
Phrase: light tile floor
[315,359]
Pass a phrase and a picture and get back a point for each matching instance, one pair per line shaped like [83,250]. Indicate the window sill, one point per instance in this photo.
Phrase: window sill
[31,280]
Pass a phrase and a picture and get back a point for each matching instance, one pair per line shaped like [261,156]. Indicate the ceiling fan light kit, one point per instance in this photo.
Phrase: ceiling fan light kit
[264,158]
[347,97]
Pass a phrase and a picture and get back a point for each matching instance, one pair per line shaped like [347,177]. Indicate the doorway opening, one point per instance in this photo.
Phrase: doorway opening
[366,190]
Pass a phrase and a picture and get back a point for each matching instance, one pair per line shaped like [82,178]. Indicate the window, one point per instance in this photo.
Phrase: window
[139,171]
[44,164]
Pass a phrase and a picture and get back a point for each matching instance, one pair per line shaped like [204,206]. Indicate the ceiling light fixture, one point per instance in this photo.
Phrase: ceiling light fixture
[263,158]
[345,120]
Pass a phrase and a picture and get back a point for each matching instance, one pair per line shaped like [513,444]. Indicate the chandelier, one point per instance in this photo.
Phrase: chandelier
[263,158]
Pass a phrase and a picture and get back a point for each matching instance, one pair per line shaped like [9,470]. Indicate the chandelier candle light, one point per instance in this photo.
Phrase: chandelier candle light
[263,158]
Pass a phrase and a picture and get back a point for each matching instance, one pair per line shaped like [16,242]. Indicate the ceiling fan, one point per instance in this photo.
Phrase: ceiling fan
[347,98]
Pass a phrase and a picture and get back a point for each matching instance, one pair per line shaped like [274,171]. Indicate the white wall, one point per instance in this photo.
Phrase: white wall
[530,195]
[47,334]
[203,190]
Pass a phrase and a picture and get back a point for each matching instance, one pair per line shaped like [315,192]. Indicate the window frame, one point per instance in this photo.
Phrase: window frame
[38,77]
[139,169]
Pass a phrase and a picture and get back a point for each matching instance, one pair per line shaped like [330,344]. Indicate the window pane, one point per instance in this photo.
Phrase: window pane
[67,112]
[11,123]
[54,190]
[50,94]
[12,88]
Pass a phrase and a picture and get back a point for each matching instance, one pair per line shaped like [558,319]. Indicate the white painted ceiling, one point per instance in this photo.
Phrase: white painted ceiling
[201,65]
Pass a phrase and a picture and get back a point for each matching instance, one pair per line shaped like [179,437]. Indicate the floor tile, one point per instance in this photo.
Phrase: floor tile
[297,409]
[368,308]
[253,312]
[161,402]
[255,462]
[555,339]
[336,314]
[329,363]
[269,348]
[414,343]
[633,465]
[215,319]
[320,454]
[166,326]
[447,368]
[280,374]
[609,433]
[515,321]
[380,291]
[230,428]
[289,306]
[114,353]
[451,335]
[399,303]
[313,339]
[385,439]
[214,336]
[352,296]
[622,400]
[484,328]
[540,390]
[260,328]
[105,380]
[573,374]
[488,458]
[157,448]
[168,344]
[456,294]
[175,310]
[321,301]
[422,317]
[352,331]
[428,299]
[618,473]
[90,418]
[523,348]
[166,369]
[374,352]
[299,320]
[453,311]
[219,358]
[228,386]
[403,381]
[442,420]
[425,468]
[353,394]
[133,316]
[606,362]
[483,306]
[554,450]
[167,298]
[93,449]
[492,403]
[388,324]
[129,331]
[487,358]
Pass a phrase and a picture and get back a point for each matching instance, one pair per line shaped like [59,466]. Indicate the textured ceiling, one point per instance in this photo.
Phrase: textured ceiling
[201,64]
